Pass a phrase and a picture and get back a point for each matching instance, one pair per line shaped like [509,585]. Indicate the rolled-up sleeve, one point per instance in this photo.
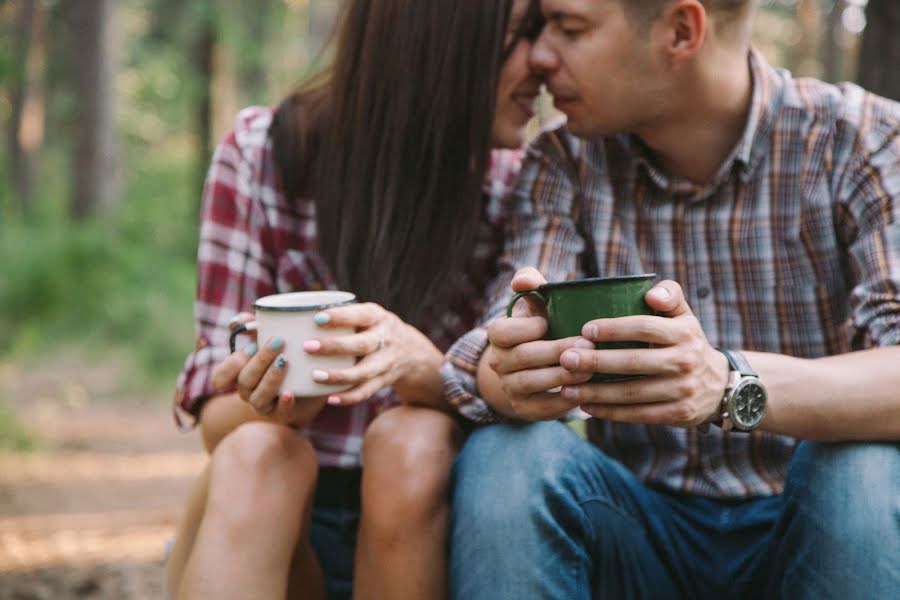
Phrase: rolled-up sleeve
[540,233]
[233,267]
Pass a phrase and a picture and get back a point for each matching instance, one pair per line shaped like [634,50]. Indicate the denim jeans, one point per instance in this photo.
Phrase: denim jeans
[332,532]
[333,536]
[539,512]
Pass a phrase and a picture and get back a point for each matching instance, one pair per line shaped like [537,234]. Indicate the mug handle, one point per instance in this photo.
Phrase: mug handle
[521,295]
[251,326]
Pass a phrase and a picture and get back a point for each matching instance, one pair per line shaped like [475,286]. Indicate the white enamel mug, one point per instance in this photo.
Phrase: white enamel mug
[290,316]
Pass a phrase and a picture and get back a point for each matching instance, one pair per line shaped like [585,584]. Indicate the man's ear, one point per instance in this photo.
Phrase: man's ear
[686,24]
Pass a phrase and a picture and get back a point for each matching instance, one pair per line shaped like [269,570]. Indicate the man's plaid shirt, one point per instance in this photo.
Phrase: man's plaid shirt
[793,248]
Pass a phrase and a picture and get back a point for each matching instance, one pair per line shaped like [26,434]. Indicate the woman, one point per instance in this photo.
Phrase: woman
[369,181]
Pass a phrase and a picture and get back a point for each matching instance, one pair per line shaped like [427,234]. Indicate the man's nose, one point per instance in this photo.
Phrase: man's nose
[542,58]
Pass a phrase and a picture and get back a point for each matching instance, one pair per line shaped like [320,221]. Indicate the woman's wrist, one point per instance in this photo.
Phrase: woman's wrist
[421,381]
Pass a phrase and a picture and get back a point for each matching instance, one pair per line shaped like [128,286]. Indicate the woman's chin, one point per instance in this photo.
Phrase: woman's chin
[508,138]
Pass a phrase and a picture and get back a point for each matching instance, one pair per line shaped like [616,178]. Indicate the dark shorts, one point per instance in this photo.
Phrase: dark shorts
[335,521]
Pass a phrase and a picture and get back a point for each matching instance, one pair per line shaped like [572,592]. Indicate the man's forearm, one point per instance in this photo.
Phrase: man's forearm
[849,397]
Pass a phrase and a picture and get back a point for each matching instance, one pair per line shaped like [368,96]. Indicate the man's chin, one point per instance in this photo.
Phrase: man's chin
[581,129]
[585,128]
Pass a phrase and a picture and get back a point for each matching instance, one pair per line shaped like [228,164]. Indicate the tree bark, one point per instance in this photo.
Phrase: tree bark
[252,75]
[203,52]
[25,132]
[805,58]
[321,21]
[223,90]
[880,53]
[96,170]
[832,52]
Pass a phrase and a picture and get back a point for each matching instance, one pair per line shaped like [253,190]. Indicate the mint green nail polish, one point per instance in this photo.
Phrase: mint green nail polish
[277,343]
[321,318]
[250,349]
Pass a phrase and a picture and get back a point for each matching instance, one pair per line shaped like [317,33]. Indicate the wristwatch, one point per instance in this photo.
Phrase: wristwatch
[744,402]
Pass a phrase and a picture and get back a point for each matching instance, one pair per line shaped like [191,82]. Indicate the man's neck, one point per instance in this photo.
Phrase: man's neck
[697,136]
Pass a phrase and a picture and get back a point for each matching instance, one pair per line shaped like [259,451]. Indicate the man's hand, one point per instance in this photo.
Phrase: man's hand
[685,377]
[526,364]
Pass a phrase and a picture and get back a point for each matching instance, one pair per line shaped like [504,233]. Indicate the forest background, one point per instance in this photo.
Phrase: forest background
[109,110]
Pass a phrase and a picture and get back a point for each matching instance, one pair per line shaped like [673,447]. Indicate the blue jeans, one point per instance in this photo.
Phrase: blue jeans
[540,513]
[332,532]
[333,536]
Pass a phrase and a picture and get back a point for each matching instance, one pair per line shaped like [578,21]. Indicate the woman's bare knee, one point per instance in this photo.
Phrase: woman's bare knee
[263,466]
[408,453]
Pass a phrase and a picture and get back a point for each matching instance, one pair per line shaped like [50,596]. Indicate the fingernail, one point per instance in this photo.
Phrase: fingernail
[321,318]
[570,392]
[660,293]
[233,320]
[312,346]
[334,400]
[280,363]
[590,332]
[276,343]
[583,343]
[319,375]
[570,360]
[250,349]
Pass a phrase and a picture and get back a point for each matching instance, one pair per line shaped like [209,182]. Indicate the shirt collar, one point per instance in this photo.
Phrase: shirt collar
[768,94]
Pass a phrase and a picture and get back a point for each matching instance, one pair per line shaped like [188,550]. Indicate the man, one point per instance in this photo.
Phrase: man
[774,204]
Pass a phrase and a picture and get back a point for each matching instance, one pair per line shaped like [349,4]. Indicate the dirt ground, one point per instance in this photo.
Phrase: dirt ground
[89,514]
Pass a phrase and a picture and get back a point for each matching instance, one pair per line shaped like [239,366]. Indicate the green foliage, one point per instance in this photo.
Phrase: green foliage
[121,284]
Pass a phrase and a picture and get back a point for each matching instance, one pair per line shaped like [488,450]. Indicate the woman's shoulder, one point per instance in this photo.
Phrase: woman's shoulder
[250,132]
[245,158]
[503,171]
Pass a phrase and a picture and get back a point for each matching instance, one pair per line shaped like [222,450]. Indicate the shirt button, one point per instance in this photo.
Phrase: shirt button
[703,292]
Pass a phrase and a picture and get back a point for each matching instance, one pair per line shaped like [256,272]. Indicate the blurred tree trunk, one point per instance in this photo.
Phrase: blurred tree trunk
[96,176]
[320,21]
[223,91]
[252,76]
[832,54]
[25,133]
[879,59]
[805,59]
[203,52]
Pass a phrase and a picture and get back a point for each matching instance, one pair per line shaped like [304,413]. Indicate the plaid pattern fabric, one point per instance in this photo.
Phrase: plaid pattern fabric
[792,248]
[253,242]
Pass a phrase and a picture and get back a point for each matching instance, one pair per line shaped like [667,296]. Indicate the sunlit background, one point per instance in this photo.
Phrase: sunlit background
[108,111]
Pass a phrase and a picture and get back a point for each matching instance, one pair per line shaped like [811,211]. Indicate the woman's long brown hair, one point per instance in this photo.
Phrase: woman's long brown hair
[393,145]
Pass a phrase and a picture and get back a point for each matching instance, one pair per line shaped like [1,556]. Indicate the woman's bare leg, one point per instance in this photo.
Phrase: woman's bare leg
[251,537]
[401,551]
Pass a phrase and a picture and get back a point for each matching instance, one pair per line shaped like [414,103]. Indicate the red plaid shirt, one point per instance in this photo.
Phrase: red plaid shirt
[253,242]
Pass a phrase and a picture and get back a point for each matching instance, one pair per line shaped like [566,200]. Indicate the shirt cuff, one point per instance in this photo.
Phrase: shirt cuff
[194,384]
[459,373]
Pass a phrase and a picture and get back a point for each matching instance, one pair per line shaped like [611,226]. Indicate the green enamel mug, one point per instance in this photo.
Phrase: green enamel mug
[571,304]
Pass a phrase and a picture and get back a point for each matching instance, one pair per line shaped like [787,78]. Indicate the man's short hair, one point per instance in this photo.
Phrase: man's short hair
[644,12]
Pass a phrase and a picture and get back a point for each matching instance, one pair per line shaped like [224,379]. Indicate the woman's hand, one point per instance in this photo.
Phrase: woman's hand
[391,353]
[257,373]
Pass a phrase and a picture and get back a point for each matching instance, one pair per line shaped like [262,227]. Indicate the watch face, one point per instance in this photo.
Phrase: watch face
[748,403]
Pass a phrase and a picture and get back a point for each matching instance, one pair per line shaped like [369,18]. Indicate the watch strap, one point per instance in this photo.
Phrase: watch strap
[739,363]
